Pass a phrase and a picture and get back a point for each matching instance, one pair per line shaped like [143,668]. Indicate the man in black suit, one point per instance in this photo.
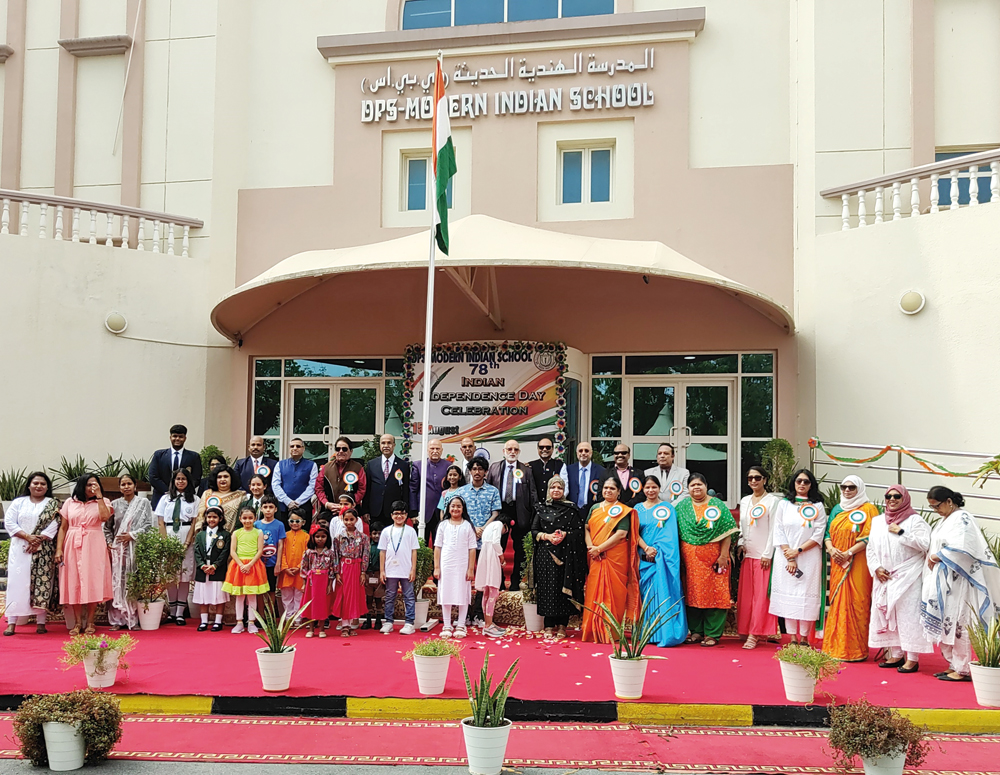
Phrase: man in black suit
[388,480]
[247,467]
[166,461]
[629,477]
[517,502]
[584,472]
[545,468]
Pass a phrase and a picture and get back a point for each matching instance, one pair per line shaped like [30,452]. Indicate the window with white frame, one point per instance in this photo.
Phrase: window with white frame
[407,178]
[585,174]
[423,14]
[417,181]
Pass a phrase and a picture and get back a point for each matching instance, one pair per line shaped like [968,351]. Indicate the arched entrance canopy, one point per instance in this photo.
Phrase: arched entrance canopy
[479,244]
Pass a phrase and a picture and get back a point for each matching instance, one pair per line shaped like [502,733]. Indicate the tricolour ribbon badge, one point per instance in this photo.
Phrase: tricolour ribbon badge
[857,518]
[808,512]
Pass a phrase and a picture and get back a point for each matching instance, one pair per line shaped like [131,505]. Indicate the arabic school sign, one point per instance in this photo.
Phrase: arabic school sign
[489,391]
[408,97]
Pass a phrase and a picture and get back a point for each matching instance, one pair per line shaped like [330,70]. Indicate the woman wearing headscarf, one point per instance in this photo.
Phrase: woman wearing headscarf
[706,529]
[132,515]
[560,558]
[611,533]
[897,551]
[756,543]
[799,527]
[962,581]
[848,604]
[660,565]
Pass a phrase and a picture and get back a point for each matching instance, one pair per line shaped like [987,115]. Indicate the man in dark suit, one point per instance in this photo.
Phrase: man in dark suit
[388,480]
[546,467]
[629,477]
[584,472]
[517,498]
[166,461]
[247,467]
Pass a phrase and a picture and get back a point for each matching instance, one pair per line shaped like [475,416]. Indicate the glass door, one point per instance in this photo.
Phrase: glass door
[322,411]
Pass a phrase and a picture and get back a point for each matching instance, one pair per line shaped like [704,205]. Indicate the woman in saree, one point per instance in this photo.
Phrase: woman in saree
[660,566]
[896,554]
[560,558]
[756,544]
[962,581]
[221,493]
[844,617]
[132,515]
[611,535]
[706,528]
[32,521]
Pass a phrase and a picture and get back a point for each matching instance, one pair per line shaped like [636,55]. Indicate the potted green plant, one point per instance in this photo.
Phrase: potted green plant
[778,459]
[64,730]
[109,472]
[430,659]
[101,657]
[12,484]
[802,667]
[207,453]
[629,639]
[425,566]
[985,669]
[158,561]
[68,471]
[885,740]
[138,469]
[529,600]
[487,731]
[275,660]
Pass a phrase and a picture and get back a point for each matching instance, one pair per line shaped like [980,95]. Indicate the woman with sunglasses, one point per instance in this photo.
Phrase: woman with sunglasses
[847,607]
[799,526]
[756,543]
[897,551]
[961,581]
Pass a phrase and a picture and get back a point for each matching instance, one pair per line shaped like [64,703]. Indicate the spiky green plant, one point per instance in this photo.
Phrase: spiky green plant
[12,483]
[628,637]
[110,468]
[137,468]
[993,541]
[985,639]
[69,471]
[488,704]
[276,630]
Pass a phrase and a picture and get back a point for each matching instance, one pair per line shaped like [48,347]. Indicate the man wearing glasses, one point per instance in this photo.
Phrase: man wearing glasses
[546,467]
[331,484]
[294,480]
[631,480]
[673,479]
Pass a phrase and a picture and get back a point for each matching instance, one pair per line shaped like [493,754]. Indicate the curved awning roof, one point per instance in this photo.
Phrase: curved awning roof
[476,241]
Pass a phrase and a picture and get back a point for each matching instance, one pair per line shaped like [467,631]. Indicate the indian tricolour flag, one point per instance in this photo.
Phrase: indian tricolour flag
[443,160]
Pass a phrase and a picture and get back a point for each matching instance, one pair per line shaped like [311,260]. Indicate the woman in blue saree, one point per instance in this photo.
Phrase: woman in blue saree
[660,566]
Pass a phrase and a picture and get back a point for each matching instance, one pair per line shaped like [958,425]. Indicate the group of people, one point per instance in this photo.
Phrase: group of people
[336,543]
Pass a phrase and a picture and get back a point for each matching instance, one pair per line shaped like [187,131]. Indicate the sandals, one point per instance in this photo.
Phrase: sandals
[751,642]
[561,633]
[446,632]
[345,633]
[694,637]
[91,629]
[709,642]
[549,634]
[322,634]
[460,632]
[73,633]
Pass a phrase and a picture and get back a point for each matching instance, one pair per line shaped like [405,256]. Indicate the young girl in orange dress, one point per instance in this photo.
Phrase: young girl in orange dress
[290,580]
[246,577]
[350,552]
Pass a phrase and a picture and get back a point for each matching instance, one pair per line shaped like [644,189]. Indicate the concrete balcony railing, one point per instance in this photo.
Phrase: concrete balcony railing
[77,220]
[974,177]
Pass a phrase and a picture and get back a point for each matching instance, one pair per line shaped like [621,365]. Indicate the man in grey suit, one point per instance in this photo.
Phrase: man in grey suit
[517,498]
[673,478]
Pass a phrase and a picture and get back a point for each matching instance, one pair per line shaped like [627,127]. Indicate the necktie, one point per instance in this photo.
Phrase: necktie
[385,470]
[582,497]
[177,460]
[508,490]
[175,522]
[256,465]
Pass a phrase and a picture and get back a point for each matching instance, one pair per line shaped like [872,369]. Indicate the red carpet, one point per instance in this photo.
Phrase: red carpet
[610,746]
[181,661]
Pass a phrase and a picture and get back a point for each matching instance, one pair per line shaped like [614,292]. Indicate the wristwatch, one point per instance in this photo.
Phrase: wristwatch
[798,550]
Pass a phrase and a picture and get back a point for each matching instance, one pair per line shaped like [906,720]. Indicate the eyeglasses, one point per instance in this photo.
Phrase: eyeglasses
[846,487]
[933,506]
[893,496]
[755,478]
[545,446]
[343,449]
[620,453]
[803,481]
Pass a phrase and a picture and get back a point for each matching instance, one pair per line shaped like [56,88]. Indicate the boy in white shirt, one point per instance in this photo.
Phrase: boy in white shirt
[398,567]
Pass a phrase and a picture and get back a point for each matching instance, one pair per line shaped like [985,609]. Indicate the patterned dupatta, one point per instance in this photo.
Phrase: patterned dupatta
[44,592]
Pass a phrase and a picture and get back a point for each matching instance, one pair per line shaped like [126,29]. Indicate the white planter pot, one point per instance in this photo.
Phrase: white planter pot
[104,678]
[986,681]
[432,673]
[421,615]
[629,676]
[799,685]
[885,765]
[275,669]
[150,614]
[532,621]
[64,746]
[485,747]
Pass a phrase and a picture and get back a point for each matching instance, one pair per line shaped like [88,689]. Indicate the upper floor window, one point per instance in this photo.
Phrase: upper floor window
[421,14]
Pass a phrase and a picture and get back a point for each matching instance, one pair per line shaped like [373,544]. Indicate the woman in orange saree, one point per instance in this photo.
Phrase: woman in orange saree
[612,535]
[848,600]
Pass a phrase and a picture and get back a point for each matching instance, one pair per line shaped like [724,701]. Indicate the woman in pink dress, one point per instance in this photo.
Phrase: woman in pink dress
[82,552]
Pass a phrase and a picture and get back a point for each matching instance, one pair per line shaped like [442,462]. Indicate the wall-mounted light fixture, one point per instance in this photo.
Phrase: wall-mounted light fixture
[911,302]
[116,323]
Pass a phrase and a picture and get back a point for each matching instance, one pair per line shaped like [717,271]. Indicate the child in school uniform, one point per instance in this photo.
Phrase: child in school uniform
[246,577]
[374,588]
[290,580]
[351,552]
[317,570]
[211,558]
[489,574]
[398,568]
[455,565]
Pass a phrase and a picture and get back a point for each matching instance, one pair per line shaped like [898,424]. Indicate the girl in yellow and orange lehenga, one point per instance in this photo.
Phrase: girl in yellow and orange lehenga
[612,535]
[848,598]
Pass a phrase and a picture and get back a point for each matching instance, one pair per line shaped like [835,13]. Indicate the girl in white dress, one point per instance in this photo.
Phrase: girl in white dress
[799,526]
[897,551]
[178,510]
[455,565]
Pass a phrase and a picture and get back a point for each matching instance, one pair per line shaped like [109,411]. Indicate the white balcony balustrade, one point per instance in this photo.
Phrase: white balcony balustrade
[889,192]
[77,220]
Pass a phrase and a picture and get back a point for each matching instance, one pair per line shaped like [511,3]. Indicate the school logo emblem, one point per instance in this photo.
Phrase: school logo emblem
[712,514]
[544,360]
[634,484]
[263,472]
